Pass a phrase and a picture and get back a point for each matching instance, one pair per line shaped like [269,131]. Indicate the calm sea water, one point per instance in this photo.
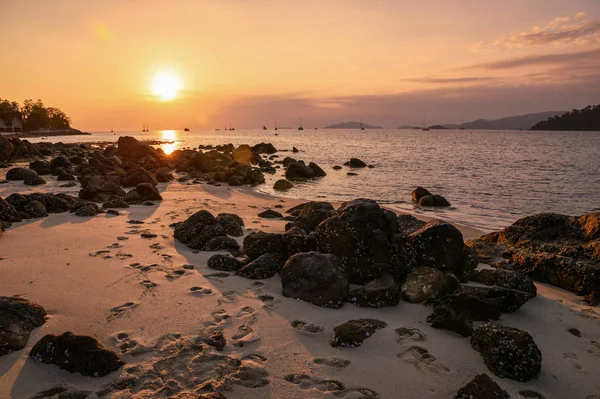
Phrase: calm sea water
[492,178]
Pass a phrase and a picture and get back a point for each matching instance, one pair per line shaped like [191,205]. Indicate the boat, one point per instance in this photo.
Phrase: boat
[425,128]
[300,128]
[186,129]
[264,127]
[275,124]
[362,127]
[111,129]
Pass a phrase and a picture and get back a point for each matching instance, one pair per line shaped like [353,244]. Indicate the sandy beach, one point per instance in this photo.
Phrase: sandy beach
[88,274]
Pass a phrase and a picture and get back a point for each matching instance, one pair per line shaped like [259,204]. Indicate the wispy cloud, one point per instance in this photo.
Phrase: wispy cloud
[563,58]
[449,80]
[563,30]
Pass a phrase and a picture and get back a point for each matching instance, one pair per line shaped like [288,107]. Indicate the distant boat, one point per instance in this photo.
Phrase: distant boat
[362,127]
[111,129]
[300,128]
[264,127]
[425,128]
[275,124]
[186,129]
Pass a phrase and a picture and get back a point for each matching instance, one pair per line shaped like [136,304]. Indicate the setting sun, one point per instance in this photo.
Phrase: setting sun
[165,85]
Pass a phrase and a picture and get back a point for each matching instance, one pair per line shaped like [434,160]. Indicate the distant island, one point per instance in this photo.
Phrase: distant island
[351,125]
[518,122]
[437,127]
[586,119]
[33,119]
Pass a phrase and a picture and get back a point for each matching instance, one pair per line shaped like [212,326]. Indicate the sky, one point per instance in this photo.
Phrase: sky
[249,62]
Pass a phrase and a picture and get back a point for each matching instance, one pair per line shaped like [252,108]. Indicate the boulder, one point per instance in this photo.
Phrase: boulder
[136,176]
[439,245]
[8,213]
[226,263]
[148,191]
[481,387]
[244,155]
[18,317]
[115,203]
[265,266]
[506,279]
[41,167]
[352,333]
[298,171]
[129,147]
[203,162]
[65,176]
[507,351]
[379,293]
[428,284]
[34,181]
[97,189]
[317,171]
[35,209]
[316,278]
[218,243]
[21,174]
[85,209]
[295,240]
[76,354]
[355,163]
[60,162]
[260,243]
[312,214]
[235,181]
[419,193]
[283,185]
[198,229]
[270,214]
[264,148]
[232,223]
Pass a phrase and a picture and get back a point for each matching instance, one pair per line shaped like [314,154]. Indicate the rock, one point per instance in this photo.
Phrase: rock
[244,154]
[35,209]
[507,351]
[316,278]
[439,245]
[113,212]
[216,340]
[224,263]
[557,249]
[137,176]
[296,240]
[60,162]
[282,185]
[115,203]
[18,317]
[21,174]
[235,181]
[506,299]
[481,387]
[312,214]
[133,197]
[65,177]
[198,229]
[506,279]
[287,161]
[355,163]
[232,223]
[41,167]
[34,181]
[317,171]
[76,354]
[69,184]
[298,171]
[575,332]
[419,193]
[528,393]
[97,189]
[359,234]
[337,167]
[8,213]
[427,200]
[148,191]
[294,149]
[222,243]
[352,333]
[379,293]
[88,209]
[438,200]
[260,243]
[129,147]
[270,214]
[264,266]
[428,284]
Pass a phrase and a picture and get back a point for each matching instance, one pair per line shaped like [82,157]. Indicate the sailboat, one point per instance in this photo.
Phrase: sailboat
[275,124]
[111,129]
[300,128]
[362,127]
[425,128]
[264,127]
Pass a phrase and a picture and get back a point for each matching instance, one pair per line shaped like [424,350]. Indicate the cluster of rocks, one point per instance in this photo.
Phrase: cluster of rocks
[423,197]
[323,251]
[557,249]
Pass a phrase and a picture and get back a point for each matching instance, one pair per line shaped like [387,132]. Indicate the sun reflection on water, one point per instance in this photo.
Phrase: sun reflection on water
[171,136]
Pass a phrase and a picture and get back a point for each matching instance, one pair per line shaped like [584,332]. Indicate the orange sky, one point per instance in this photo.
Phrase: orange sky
[248,62]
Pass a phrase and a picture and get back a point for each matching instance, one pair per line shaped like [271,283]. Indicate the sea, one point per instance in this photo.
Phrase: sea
[491,178]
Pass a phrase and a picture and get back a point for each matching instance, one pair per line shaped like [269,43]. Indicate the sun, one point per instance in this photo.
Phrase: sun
[165,85]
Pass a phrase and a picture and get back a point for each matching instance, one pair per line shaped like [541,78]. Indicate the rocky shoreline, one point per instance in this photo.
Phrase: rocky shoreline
[328,256]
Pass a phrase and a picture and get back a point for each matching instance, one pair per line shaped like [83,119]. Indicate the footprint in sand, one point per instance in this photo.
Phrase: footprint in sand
[122,238]
[333,361]
[257,284]
[572,360]
[122,255]
[357,393]
[219,315]
[148,284]
[306,382]
[413,334]
[201,291]
[267,300]
[245,334]
[306,327]
[229,296]
[97,253]
[115,245]
[246,310]
[422,359]
[117,310]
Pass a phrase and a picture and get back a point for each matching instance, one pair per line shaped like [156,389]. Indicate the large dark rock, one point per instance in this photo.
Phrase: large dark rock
[198,229]
[18,317]
[481,387]
[264,148]
[312,214]
[85,209]
[270,214]
[34,181]
[359,235]
[379,293]
[260,243]
[35,209]
[264,266]
[137,176]
[352,333]
[41,167]
[60,162]
[129,147]
[355,163]
[224,263]
[232,223]
[419,193]
[296,240]
[317,171]
[8,213]
[203,162]
[21,174]
[428,284]
[76,354]
[506,279]
[148,191]
[507,351]
[439,245]
[223,242]
[316,278]
[557,249]
[283,185]
[97,189]
[115,203]
[298,171]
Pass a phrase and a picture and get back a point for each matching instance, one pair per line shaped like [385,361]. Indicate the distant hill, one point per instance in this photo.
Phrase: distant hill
[518,122]
[351,125]
[438,127]
[586,119]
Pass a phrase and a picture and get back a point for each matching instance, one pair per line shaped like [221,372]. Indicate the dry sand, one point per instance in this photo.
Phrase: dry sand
[55,262]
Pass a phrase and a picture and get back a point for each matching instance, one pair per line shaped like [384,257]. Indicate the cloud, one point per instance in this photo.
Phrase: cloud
[564,30]
[592,56]
[449,80]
